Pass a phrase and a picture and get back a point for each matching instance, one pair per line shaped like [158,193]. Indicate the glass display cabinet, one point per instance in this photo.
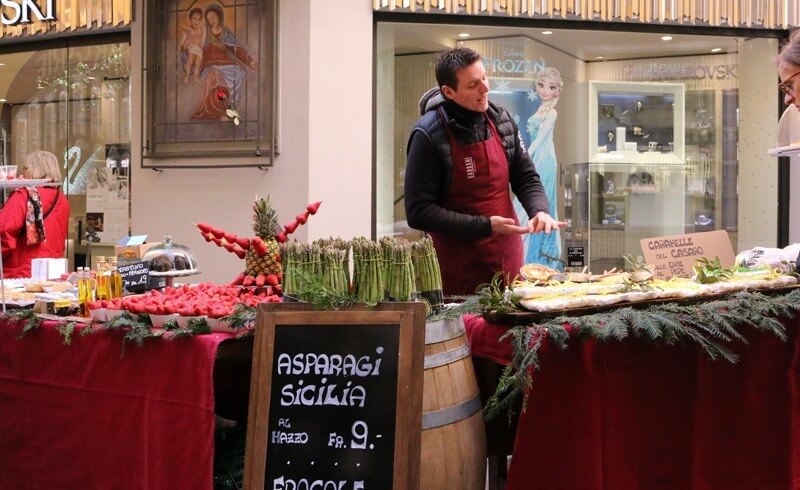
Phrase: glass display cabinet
[632,184]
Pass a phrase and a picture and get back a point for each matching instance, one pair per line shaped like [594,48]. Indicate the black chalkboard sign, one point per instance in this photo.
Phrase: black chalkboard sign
[336,398]
[135,275]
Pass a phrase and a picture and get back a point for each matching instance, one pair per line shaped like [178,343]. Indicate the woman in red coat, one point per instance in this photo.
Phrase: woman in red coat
[33,221]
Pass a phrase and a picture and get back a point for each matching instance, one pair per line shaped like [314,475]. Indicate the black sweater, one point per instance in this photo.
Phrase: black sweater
[429,170]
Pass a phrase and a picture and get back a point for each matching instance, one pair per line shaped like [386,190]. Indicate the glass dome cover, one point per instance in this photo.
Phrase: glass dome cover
[171,259]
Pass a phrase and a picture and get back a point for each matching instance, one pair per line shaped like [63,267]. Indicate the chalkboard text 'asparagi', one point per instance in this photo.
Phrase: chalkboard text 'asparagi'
[329,364]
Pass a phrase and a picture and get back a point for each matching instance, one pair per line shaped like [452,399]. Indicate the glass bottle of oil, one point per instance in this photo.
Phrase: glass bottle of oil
[101,279]
[114,279]
[84,287]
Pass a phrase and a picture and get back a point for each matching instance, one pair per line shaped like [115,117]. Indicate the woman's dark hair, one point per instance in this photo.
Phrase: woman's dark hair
[449,62]
[195,11]
[217,9]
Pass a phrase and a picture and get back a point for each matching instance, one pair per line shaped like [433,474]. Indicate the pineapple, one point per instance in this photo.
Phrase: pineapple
[263,259]
[261,254]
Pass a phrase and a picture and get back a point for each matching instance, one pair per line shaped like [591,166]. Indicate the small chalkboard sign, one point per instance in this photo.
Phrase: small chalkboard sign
[575,257]
[336,398]
[135,276]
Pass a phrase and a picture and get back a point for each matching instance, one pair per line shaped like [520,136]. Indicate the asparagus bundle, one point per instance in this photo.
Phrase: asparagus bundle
[428,274]
[333,275]
[303,264]
[400,280]
[368,283]
[342,245]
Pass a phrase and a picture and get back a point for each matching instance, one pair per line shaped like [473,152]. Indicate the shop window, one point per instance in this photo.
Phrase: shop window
[706,180]
[74,101]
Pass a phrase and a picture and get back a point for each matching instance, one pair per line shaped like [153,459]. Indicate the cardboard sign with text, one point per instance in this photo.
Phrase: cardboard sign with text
[674,256]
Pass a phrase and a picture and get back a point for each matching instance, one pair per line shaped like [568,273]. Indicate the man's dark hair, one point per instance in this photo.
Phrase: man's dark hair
[449,62]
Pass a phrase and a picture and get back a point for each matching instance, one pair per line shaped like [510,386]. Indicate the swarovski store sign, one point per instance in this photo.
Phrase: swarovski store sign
[24,11]
[680,71]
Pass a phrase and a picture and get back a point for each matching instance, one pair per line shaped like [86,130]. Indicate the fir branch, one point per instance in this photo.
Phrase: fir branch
[137,335]
[323,297]
[171,324]
[126,320]
[243,317]
[198,326]
[66,330]
[470,306]
[28,316]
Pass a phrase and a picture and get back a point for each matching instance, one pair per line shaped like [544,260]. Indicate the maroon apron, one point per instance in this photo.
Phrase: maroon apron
[480,187]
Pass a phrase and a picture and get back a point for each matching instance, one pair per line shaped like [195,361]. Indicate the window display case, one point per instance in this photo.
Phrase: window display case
[636,122]
[632,183]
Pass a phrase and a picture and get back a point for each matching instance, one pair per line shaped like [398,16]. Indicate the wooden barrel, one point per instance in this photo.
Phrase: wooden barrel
[453,437]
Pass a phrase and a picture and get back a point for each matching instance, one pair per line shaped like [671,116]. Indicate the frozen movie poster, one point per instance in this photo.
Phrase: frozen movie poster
[532,104]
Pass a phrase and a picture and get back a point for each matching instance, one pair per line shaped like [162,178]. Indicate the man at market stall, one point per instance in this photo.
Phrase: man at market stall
[462,155]
[789,70]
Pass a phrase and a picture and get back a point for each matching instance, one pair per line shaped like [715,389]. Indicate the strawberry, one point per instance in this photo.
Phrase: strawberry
[260,280]
[217,232]
[208,237]
[302,218]
[243,242]
[272,280]
[290,227]
[249,280]
[313,207]
[203,227]
[230,237]
[230,247]
[240,253]
[281,237]
[218,241]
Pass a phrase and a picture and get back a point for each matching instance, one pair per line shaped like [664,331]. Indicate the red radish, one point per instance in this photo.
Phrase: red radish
[313,207]
[290,227]
[204,227]
[302,218]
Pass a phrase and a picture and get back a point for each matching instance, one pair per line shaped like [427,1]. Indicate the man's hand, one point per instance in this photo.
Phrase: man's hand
[506,226]
[544,222]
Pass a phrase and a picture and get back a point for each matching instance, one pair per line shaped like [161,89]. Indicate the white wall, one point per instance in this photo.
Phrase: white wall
[325,142]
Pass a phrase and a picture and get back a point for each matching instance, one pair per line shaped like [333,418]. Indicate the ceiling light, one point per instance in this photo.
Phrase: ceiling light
[2,64]
[463,35]
[3,100]
[598,57]
[716,50]
[547,33]
[666,38]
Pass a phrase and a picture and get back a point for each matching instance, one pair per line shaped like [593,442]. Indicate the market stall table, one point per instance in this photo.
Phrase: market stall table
[86,416]
[632,414]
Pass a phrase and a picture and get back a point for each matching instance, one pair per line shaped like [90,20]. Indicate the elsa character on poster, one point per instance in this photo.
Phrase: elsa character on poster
[548,87]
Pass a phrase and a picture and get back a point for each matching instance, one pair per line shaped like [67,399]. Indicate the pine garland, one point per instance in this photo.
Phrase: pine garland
[713,325]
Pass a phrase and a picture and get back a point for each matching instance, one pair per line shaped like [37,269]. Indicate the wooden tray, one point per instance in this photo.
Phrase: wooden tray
[528,317]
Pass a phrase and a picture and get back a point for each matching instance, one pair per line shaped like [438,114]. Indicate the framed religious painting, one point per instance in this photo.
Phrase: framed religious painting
[211,82]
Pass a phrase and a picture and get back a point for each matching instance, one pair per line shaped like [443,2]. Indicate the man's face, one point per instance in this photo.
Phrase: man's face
[472,90]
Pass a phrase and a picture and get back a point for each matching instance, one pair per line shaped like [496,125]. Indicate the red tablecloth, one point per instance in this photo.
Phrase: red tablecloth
[81,416]
[633,415]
